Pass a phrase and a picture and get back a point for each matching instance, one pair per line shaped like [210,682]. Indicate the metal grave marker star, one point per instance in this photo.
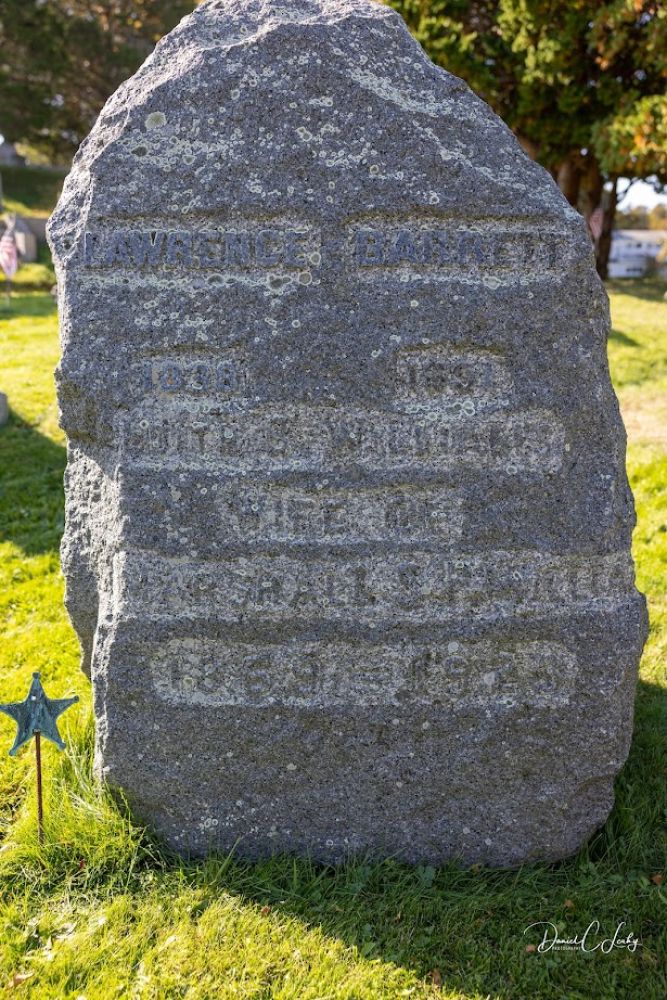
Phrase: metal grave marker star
[37,714]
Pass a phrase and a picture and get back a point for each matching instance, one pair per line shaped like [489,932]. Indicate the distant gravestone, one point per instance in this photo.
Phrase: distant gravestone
[26,241]
[348,526]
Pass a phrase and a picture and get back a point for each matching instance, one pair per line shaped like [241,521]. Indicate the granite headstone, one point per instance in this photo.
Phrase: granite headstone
[348,527]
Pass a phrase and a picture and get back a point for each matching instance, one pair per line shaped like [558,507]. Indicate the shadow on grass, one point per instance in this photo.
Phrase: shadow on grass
[649,289]
[464,928]
[622,338]
[31,488]
[23,302]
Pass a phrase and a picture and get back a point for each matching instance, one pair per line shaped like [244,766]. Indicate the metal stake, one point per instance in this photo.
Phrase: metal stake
[40,801]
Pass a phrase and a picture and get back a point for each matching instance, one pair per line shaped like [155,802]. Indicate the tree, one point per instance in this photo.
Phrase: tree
[580,82]
[61,59]
[657,217]
[632,218]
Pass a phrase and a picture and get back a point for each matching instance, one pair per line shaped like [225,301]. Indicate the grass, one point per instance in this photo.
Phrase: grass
[37,276]
[103,911]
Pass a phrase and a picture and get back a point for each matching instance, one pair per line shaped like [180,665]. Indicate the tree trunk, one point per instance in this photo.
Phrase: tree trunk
[603,246]
[591,193]
[528,146]
[581,181]
[568,178]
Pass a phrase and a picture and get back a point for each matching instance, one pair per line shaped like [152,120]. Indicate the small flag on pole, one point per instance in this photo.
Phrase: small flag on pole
[595,222]
[9,258]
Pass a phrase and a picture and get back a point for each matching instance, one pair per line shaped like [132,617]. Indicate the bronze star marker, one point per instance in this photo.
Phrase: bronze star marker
[36,716]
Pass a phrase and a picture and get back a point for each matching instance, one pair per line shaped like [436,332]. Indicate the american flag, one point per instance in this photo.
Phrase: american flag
[9,259]
[595,222]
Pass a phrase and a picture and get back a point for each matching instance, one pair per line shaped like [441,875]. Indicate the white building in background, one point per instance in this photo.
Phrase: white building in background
[633,251]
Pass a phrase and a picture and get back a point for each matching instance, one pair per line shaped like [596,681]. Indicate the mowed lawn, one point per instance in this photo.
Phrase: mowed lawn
[102,911]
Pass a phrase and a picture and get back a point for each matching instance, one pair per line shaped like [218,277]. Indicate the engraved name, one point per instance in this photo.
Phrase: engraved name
[315,438]
[476,247]
[455,246]
[266,247]
[212,673]
[419,587]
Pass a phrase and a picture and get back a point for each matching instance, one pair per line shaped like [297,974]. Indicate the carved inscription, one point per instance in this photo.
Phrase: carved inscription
[252,247]
[192,377]
[482,246]
[243,513]
[446,373]
[317,438]
[445,245]
[211,673]
[420,587]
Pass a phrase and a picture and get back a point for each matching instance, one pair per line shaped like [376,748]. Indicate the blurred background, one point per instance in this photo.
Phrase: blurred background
[582,84]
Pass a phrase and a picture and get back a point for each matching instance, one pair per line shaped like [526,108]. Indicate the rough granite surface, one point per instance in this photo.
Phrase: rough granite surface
[348,526]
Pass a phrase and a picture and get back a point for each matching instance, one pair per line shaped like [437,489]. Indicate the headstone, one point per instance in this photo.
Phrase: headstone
[26,241]
[9,156]
[348,526]
[4,409]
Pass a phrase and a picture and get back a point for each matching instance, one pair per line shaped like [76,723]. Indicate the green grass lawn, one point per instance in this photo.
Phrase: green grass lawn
[37,276]
[103,911]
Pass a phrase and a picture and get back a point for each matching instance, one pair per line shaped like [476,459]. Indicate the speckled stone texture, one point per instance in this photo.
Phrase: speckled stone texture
[348,526]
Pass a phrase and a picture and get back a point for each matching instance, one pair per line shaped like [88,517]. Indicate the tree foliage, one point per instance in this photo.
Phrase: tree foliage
[566,75]
[641,217]
[582,83]
[61,59]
